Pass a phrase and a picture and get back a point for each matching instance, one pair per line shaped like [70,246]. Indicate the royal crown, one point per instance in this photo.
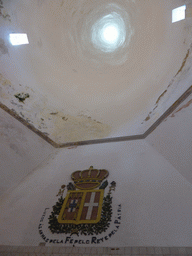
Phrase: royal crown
[89,179]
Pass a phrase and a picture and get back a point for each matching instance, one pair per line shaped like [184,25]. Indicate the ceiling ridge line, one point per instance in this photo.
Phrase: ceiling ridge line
[100,141]
[168,111]
[13,113]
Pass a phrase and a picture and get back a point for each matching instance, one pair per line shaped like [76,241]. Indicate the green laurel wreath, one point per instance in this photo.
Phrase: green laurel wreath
[83,229]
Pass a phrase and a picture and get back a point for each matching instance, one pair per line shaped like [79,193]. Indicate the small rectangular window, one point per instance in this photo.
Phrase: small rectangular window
[178,13]
[18,39]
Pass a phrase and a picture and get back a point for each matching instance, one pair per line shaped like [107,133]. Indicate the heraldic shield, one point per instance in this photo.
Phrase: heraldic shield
[83,203]
[82,207]
[86,208]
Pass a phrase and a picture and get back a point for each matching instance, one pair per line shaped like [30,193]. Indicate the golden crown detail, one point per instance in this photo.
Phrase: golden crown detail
[90,178]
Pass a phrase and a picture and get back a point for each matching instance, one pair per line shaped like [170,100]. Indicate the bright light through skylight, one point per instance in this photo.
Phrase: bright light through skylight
[18,39]
[178,13]
[110,34]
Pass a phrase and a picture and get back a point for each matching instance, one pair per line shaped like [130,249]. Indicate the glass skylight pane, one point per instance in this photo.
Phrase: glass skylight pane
[18,39]
[178,13]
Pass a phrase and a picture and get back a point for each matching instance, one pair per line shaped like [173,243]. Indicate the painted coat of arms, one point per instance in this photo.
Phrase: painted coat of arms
[85,210]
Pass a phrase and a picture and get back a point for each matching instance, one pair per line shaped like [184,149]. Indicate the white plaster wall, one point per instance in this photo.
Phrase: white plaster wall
[156,199]
[173,138]
[21,150]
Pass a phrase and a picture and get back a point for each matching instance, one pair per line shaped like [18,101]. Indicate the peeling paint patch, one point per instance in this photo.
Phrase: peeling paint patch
[147,118]
[169,85]
[16,104]
[72,147]
[54,113]
[160,97]
[68,128]
[47,120]
[46,134]
[156,105]
[154,108]
[5,87]
[184,106]
[3,47]
[64,118]
[183,63]
[3,13]
[22,96]
[21,114]
[43,135]
[4,81]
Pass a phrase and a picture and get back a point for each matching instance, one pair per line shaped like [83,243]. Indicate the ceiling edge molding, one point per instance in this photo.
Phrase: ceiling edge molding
[106,140]
[13,113]
[168,111]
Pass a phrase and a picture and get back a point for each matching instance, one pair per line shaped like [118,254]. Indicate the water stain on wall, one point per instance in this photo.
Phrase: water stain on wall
[68,128]
[160,97]
[3,13]
[16,149]
[4,81]
[5,87]
[3,47]
[54,125]
[183,63]
[22,96]
[169,85]
[184,106]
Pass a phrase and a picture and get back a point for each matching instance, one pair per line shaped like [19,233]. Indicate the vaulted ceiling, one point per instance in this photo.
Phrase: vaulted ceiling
[67,89]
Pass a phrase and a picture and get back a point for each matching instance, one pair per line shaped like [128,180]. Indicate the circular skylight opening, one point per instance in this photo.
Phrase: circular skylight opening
[109,33]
